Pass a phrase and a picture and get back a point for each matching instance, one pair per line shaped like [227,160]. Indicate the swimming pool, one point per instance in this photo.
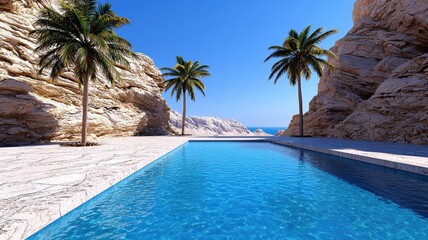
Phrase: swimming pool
[253,190]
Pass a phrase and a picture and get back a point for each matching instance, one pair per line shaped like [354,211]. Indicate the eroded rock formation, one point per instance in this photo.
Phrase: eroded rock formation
[378,89]
[211,126]
[33,108]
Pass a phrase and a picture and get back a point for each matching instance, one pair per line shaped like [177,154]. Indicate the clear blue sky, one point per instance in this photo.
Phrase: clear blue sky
[232,37]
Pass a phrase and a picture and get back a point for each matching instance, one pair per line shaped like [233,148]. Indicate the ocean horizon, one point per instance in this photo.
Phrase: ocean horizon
[269,130]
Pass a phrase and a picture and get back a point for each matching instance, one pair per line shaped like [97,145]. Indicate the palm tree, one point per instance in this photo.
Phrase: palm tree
[186,76]
[299,55]
[80,36]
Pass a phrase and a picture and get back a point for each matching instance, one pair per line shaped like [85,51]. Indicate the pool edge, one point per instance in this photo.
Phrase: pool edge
[406,167]
[68,205]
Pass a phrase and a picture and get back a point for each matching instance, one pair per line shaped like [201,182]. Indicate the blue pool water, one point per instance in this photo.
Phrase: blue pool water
[253,190]
[269,130]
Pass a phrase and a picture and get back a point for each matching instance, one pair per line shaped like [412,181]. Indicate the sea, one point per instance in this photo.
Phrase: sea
[269,130]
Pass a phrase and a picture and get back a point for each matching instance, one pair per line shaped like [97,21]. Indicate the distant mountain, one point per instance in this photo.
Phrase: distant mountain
[211,126]
[269,130]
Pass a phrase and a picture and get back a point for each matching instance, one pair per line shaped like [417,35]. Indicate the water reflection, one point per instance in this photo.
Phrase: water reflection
[405,189]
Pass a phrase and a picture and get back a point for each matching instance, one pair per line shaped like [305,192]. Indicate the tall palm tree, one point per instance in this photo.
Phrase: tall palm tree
[298,56]
[80,36]
[185,77]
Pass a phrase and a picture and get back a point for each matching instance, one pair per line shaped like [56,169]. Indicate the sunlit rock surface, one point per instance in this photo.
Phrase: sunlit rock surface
[34,109]
[378,89]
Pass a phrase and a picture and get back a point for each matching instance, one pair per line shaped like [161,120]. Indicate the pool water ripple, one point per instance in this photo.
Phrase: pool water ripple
[244,190]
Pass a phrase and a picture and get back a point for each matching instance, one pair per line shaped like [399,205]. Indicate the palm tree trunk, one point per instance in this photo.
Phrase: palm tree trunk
[85,111]
[183,120]
[299,82]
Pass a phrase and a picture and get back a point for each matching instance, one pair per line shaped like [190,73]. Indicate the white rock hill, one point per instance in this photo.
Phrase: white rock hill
[211,126]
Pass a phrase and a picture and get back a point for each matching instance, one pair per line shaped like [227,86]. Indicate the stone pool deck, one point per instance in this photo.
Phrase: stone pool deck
[40,183]
[405,157]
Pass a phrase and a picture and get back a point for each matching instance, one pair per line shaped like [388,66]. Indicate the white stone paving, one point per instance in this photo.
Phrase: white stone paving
[39,184]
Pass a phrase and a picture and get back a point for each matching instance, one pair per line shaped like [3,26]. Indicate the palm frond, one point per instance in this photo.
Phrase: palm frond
[304,35]
[322,36]
[279,53]
[299,54]
[80,36]
[186,76]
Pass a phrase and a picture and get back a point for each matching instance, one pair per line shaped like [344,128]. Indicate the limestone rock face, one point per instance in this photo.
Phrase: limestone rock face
[211,126]
[33,108]
[378,89]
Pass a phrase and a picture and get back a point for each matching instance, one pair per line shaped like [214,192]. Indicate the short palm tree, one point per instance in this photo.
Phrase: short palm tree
[298,56]
[185,78]
[80,36]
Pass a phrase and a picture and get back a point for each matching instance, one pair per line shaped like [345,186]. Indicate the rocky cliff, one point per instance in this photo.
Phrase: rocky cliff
[33,108]
[211,126]
[378,89]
